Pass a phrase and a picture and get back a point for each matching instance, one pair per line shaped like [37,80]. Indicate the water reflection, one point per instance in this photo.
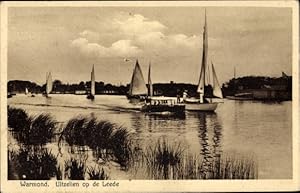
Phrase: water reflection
[210,134]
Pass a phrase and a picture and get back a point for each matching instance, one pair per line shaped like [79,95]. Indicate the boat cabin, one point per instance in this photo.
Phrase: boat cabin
[157,102]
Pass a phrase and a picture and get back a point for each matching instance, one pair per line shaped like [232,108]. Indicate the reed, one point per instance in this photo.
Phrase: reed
[17,119]
[31,164]
[104,137]
[237,167]
[75,131]
[166,161]
[30,130]
[122,147]
[162,160]
[97,173]
[75,169]
[40,131]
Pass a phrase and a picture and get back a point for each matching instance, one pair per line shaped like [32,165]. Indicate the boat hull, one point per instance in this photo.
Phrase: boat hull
[174,109]
[201,106]
[91,97]
[136,99]
[239,98]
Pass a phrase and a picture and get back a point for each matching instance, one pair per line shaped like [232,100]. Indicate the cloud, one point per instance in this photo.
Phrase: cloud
[121,48]
[90,35]
[136,36]
[137,25]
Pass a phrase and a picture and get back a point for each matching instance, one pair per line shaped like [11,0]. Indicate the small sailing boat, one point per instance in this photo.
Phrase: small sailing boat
[137,91]
[49,84]
[239,95]
[201,103]
[26,91]
[91,95]
[161,105]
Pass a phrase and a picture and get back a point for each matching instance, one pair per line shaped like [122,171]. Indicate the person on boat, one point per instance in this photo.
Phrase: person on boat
[205,100]
[185,95]
[178,98]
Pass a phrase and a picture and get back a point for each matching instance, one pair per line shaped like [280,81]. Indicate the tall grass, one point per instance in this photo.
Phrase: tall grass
[17,119]
[40,131]
[165,161]
[75,169]
[97,173]
[31,130]
[31,164]
[106,139]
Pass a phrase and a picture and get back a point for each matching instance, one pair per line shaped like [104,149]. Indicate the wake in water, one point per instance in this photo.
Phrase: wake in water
[98,107]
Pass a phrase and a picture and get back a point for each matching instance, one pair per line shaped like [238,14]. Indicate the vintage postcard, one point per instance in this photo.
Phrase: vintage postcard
[148,96]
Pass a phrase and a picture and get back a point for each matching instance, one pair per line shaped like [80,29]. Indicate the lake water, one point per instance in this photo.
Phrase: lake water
[247,127]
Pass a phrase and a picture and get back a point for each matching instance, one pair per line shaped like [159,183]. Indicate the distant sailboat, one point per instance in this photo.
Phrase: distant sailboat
[137,90]
[239,95]
[201,103]
[26,91]
[91,95]
[49,84]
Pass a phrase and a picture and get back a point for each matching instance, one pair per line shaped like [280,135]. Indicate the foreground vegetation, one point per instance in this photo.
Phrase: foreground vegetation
[170,161]
[31,130]
[31,163]
[109,143]
[107,140]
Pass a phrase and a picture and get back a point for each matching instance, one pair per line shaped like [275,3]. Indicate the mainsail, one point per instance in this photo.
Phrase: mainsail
[216,86]
[150,86]
[49,83]
[202,82]
[137,85]
[93,82]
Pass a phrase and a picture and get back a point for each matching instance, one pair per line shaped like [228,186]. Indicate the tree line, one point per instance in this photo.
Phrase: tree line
[165,89]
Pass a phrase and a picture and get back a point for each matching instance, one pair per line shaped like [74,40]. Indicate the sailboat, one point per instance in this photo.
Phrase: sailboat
[239,95]
[202,103]
[26,91]
[48,84]
[91,95]
[137,91]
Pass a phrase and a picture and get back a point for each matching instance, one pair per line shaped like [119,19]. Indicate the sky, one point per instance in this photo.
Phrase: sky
[68,41]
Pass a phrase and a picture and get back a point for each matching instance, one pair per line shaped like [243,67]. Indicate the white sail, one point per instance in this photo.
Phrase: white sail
[150,86]
[93,82]
[216,86]
[49,83]
[137,85]
[202,81]
[26,91]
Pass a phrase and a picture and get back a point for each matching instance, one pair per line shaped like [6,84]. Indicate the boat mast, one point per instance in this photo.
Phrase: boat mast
[150,87]
[202,81]
[234,73]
